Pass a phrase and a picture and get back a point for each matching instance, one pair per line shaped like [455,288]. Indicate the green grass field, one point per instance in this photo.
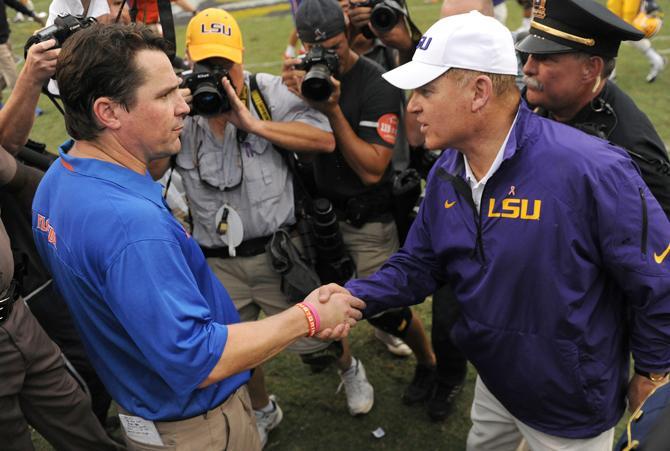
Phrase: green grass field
[315,416]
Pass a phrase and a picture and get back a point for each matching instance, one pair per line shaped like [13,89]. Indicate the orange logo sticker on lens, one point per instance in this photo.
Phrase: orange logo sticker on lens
[387,127]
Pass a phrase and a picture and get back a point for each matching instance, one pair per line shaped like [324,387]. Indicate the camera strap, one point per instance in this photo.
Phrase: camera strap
[167,23]
[260,105]
[86,4]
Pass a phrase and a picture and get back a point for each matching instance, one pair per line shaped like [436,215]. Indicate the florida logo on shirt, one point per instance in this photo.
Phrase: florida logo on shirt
[514,208]
[44,226]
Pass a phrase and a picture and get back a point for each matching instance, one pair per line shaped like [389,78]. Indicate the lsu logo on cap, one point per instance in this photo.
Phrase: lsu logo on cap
[216,28]
[424,43]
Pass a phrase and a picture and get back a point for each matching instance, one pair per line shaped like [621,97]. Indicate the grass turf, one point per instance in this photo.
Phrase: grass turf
[315,416]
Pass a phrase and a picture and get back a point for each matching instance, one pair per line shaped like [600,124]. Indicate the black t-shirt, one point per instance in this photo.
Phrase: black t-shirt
[372,108]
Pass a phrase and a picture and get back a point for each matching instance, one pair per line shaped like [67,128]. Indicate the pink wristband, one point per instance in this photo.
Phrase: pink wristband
[315,314]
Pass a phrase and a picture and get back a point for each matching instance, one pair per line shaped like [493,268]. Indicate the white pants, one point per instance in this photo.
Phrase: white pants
[495,429]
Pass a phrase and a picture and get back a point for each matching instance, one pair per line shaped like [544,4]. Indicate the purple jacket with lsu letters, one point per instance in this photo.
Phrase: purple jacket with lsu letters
[562,274]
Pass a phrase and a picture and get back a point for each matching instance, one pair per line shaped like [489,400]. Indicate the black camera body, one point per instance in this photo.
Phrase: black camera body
[320,64]
[63,27]
[209,97]
[385,13]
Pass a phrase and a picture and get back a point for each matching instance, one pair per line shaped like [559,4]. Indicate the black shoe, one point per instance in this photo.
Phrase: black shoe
[439,404]
[421,386]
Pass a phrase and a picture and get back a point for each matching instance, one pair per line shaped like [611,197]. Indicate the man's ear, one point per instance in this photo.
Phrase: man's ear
[106,112]
[592,69]
[482,92]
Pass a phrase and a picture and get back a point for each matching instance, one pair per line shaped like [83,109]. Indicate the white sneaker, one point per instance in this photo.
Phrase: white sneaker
[267,421]
[657,65]
[19,17]
[394,344]
[360,394]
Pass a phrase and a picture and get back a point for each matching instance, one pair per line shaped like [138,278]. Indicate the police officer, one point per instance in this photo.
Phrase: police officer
[571,52]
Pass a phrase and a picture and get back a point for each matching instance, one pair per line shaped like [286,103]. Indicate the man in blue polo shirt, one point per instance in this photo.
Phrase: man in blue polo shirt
[160,329]
[556,251]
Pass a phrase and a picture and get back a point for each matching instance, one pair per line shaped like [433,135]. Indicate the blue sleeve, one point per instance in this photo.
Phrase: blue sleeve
[410,275]
[155,297]
[635,239]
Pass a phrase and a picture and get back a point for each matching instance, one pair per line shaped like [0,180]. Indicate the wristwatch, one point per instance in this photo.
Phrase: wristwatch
[654,377]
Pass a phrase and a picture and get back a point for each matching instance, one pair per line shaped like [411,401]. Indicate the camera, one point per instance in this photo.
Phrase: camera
[63,27]
[320,64]
[209,97]
[385,13]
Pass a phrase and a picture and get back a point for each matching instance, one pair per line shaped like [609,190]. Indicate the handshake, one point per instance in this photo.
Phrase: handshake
[331,311]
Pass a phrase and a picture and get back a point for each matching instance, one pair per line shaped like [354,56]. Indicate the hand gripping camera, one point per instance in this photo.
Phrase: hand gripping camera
[319,64]
[209,97]
[63,27]
[385,13]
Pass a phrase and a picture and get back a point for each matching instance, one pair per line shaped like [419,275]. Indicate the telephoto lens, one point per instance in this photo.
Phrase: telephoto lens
[334,265]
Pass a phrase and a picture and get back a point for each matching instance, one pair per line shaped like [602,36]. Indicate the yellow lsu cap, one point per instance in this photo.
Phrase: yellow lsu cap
[212,33]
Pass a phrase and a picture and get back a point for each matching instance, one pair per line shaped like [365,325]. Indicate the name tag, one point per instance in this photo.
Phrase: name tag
[141,430]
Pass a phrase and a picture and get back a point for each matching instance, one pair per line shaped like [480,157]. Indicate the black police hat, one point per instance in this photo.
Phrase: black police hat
[561,26]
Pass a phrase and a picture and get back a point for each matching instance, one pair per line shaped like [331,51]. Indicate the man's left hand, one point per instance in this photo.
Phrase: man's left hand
[639,389]
[398,37]
[332,103]
[41,62]
[239,115]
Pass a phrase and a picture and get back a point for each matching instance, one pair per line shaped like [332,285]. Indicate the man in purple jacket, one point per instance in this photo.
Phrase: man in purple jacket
[556,251]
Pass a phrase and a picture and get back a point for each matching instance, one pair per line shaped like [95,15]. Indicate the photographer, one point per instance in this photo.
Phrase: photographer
[382,31]
[357,177]
[37,388]
[240,187]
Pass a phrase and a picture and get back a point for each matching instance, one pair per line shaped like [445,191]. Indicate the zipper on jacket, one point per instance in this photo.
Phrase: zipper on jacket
[643,244]
[463,189]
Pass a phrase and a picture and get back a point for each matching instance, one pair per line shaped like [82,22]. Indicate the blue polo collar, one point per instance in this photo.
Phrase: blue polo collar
[127,179]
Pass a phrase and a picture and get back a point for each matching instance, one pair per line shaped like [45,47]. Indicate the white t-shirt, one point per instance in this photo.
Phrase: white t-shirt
[97,8]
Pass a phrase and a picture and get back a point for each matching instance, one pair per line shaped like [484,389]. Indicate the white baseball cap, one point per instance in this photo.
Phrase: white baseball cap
[464,41]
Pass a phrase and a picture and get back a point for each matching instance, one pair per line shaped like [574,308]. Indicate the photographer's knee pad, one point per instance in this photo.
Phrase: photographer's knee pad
[395,322]
[320,360]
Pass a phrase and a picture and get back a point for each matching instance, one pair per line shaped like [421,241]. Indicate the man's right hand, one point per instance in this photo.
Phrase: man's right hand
[41,62]
[291,76]
[340,312]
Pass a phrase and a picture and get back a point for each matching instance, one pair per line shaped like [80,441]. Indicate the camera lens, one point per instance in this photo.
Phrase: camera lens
[208,101]
[383,18]
[316,85]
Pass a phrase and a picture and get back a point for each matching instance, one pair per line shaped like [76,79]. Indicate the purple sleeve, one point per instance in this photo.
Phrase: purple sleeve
[635,239]
[410,274]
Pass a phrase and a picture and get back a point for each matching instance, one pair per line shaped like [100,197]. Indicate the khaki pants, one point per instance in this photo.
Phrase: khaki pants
[230,426]
[495,429]
[371,245]
[8,72]
[254,286]
[36,388]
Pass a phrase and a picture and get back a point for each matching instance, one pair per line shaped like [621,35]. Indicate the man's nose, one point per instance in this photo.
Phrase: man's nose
[530,66]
